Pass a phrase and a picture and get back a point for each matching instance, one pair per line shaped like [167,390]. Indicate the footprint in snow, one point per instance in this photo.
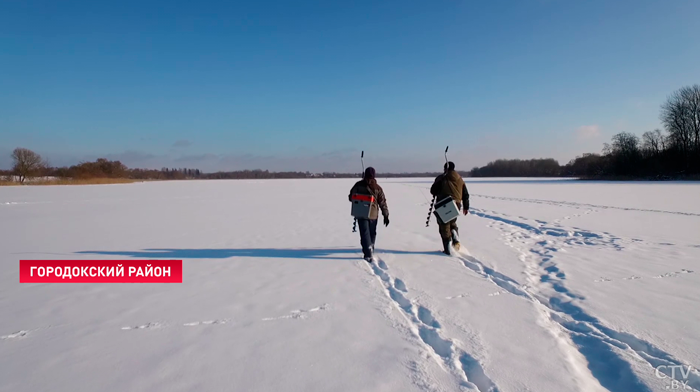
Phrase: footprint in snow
[673,274]
[400,285]
[383,265]
[426,317]
[602,279]
[145,326]
[16,335]
[634,277]
[458,296]
[298,314]
[497,293]
[210,322]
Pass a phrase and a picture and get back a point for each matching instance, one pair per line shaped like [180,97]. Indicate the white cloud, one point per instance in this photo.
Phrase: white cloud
[588,132]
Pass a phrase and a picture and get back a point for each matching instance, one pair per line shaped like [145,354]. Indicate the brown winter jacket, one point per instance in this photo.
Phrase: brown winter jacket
[451,184]
[370,187]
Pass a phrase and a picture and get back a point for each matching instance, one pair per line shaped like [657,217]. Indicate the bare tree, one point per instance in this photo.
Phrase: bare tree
[27,163]
[625,153]
[653,143]
[691,95]
[681,117]
[625,143]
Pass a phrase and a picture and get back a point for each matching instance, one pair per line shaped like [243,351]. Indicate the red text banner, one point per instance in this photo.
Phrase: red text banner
[100,271]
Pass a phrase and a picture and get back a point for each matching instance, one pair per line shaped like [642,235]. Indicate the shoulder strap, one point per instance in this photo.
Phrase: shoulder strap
[371,192]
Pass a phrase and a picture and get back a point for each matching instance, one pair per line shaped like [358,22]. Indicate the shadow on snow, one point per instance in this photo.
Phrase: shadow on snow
[305,253]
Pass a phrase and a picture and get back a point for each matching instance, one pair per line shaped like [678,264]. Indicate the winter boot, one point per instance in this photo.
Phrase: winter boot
[455,240]
[371,256]
[446,247]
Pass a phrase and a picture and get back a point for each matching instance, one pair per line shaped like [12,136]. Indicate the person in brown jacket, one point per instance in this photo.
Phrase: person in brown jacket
[450,183]
[368,227]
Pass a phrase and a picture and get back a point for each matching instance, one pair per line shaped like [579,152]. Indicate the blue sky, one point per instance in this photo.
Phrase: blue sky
[306,85]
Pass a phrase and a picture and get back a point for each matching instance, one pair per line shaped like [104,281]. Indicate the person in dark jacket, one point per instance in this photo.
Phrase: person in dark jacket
[368,227]
[450,183]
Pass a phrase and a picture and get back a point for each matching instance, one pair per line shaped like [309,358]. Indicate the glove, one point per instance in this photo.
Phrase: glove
[466,211]
[386,221]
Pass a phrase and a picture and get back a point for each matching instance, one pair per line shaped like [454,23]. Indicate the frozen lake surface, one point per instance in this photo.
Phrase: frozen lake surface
[563,286]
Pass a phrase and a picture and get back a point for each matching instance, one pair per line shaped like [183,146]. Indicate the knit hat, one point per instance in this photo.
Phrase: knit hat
[449,166]
[370,173]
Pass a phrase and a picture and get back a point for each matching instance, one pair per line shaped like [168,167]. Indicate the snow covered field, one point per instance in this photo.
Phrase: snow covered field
[564,286]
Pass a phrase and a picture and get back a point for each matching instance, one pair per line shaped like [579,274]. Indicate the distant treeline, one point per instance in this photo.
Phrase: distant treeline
[254,174]
[29,164]
[518,168]
[668,154]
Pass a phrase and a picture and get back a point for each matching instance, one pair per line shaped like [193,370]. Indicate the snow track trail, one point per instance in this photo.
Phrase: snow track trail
[576,362]
[15,335]
[558,203]
[424,326]
[609,353]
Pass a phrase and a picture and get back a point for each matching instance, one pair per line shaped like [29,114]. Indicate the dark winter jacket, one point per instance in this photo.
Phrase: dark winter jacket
[451,184]
[370,187]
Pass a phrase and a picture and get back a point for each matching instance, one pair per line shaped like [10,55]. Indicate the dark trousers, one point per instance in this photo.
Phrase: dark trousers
[446,230]
[368,234]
